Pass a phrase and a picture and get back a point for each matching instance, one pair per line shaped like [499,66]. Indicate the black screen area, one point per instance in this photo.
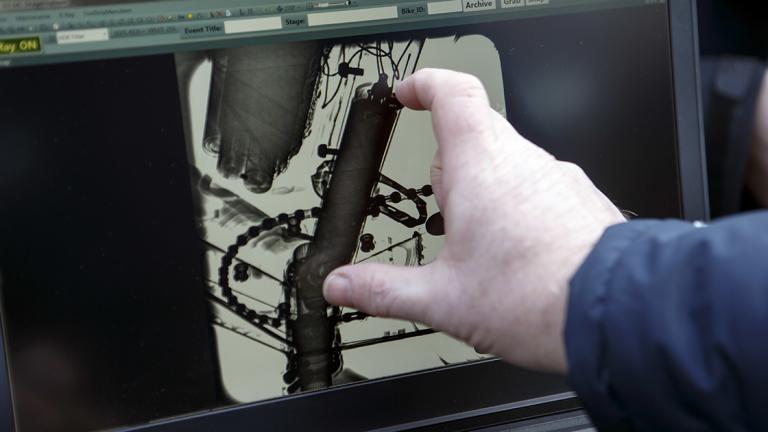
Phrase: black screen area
[591,91]
[102,278]
[102,294]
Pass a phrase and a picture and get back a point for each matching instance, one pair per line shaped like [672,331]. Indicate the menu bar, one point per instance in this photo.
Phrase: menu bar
[69,31]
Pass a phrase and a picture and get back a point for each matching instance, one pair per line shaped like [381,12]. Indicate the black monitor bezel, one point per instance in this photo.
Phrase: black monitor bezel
[468,395]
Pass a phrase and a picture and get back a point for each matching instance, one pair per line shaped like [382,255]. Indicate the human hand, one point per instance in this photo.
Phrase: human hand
[757,170]
[518,224]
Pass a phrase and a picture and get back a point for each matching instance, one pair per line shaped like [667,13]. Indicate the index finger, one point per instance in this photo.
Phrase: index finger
[462,118]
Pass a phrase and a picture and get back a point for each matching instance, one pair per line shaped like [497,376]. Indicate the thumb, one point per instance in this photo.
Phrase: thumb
[381,290]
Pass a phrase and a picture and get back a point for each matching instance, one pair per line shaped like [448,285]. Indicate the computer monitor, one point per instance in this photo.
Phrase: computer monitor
[177,178]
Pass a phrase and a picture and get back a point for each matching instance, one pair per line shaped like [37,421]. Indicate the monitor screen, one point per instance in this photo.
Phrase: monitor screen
[177,178]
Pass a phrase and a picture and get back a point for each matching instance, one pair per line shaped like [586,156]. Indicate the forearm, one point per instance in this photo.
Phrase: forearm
[664,322]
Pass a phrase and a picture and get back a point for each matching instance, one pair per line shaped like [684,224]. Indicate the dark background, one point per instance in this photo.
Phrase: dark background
[596,90]
[99,257]
[733,27]
[734,47]
[103,303]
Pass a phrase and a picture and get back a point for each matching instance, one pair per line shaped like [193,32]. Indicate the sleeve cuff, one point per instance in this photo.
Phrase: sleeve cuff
[587,345]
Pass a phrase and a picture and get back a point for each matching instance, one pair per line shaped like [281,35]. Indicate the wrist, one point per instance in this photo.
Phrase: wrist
[572,251]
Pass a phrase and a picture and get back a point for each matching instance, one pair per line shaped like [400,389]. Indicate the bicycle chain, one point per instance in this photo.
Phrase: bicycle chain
[292,222]
[397,197]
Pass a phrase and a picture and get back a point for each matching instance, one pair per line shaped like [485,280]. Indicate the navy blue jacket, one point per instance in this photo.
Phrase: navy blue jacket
[667,326]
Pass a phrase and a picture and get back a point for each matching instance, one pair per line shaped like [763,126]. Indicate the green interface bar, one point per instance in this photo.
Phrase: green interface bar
[20,46]
[64,34]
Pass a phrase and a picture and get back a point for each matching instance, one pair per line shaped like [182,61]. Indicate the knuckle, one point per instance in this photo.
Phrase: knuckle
[379,296]
[455,83]
[421,86]
[420,81]
[469,86]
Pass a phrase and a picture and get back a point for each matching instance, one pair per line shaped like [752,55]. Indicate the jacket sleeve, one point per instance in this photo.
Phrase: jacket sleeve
[667,326]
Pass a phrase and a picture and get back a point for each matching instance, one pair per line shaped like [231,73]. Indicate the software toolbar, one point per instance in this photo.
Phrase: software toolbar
[88,29]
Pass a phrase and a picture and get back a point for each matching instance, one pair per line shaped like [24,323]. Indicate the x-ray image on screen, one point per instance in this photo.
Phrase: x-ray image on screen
[168,219]
[303,160]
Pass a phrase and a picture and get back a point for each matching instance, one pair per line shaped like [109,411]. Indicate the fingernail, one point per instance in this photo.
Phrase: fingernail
[336,289]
